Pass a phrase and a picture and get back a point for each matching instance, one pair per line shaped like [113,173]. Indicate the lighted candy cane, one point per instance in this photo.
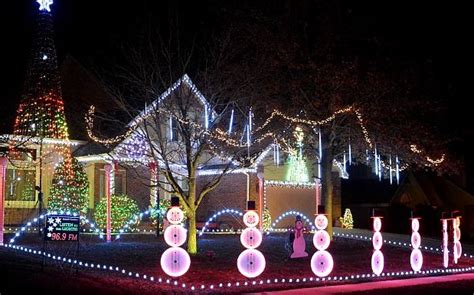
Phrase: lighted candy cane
[416,258]
[457,247]
[444,223]
[321,262]
[251,262]
[175,261]
[377,261]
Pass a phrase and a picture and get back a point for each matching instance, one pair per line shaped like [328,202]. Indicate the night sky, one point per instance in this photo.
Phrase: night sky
[429,36]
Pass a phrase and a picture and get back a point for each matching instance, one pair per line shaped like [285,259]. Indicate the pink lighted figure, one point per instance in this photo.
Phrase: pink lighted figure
[322,262]
[416,257]
[457,248]
[377,261]
[175,261]
[251,262]
[444,223]
[299,244]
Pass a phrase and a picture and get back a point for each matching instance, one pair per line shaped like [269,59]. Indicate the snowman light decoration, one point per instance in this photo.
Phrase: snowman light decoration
[377,260]
[416,257]
[175,261]
[321,262]
[251,262]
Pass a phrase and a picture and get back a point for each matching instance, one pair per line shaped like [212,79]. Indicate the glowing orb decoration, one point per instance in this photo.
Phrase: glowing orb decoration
[377,262]
[251,263]
[457,233]
[377,240]
[457,249]
[415,224]
[416,260]
[322,263]
[175,215]
[321,221]
[251,218]
[175,235]
[377,224]
[175,261]
[321,240]
[415,240]
[251,238]
[445,257]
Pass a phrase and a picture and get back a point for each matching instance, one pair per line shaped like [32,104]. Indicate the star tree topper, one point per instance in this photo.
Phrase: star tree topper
[44,4]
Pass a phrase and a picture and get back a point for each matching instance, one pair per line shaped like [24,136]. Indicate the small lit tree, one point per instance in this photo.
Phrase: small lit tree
[70,188]
[124,209]
[346,220]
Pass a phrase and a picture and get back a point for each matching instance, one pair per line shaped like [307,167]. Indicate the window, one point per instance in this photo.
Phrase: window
[20,185]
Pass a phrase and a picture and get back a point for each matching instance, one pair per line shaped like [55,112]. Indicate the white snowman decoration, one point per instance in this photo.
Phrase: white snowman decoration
[377,261]
[321,262]
[416,257]
[175,261]
[251,262]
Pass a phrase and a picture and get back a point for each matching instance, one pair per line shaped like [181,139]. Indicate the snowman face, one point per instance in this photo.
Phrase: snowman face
[299,224]
[321,221]
[175,215]
[251,218]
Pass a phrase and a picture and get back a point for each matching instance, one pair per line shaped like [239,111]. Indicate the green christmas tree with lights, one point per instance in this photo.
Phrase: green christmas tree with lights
[297,170]
[70,188]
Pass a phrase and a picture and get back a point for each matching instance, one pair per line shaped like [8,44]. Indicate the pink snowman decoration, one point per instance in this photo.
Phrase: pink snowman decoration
[299,244]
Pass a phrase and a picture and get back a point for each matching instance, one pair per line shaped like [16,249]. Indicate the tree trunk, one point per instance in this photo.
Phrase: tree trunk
[192,233]
[326,181]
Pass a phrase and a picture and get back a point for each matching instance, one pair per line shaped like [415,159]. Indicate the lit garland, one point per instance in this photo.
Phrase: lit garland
[123,209]
[70,187]
[294,282]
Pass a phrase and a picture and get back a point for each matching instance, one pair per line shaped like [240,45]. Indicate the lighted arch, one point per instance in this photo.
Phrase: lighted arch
[292,213]
[213,217]
[134,219]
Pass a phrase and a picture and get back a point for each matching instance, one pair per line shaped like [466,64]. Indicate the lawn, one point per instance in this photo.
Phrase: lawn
[215,264]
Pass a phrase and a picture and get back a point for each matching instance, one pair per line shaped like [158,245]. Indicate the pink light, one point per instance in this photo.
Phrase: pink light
[457,249]
[415,224]
[175,235]
[377,262]
[377,224]
[251,263]
[322,263]
[251,218]
[175,261]
[175,215]
[416,260]
[415,240]
[108,169]
[445,257]
[251,238]
[321,240]
[321,221]
[457,233]
[377,240]
[3,169]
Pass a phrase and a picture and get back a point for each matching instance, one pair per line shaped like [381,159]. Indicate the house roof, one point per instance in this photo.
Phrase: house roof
[428,189]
